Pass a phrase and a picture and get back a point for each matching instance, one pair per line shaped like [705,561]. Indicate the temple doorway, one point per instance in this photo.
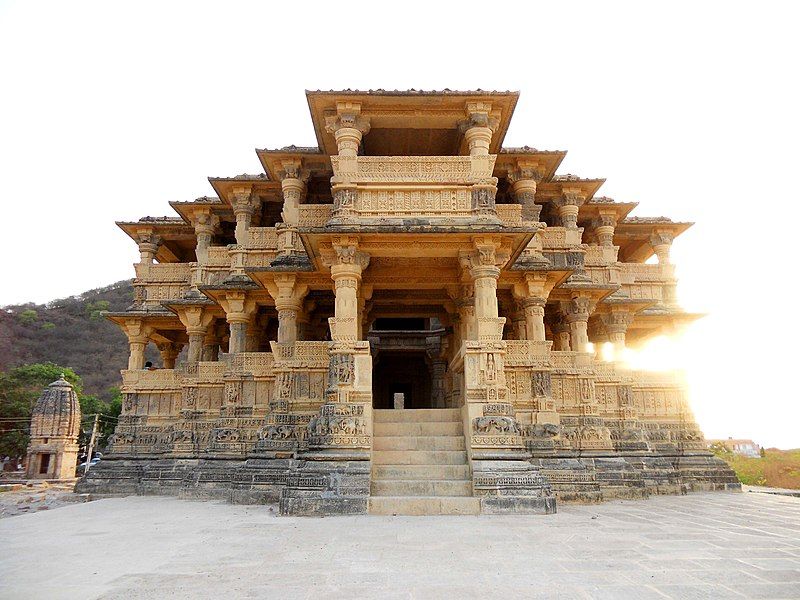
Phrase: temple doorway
[402,372]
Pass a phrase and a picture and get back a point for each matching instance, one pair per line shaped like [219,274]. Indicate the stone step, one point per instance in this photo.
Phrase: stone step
[416,415]
[424,505]
[417,429]
[421,487]
[415,472]
[418,442]
[419,457]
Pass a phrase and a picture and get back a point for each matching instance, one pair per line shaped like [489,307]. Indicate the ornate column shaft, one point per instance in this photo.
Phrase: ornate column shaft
[577,313]
[204,226]
[239,309]
[244,205]
[210,346]
[661,241]
[288,294]
[604,228]
[534,318]
[568,207]
[149,243]
[169,353]
[138,337]
[524,180]
[616,324]
[348,128]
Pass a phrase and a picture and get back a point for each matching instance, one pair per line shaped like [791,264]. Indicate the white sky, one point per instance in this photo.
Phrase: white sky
[110,110]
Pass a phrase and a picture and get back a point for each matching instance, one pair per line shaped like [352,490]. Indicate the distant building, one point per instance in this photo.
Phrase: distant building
[53,449]
[742,447]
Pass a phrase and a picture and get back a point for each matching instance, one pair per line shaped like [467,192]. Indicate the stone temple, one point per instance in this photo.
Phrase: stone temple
[403,320]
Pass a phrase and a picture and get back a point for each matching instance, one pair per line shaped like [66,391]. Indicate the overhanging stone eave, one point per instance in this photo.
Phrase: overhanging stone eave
[459,238]
[375,102]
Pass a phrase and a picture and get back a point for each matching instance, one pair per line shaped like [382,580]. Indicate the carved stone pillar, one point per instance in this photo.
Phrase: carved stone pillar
[288,294]
[211,345]
[239,309]
[438,389]
[568,207]
[348,128]
[479,128]
[149,243]
[244,205]
[138,336]
[604,228]
[561,336]
[616,325]
[532,293]
[534,318]
[518,329]
[169,353]
[577,313]
[524,180]
[204,224]
[196,320]
[346,274]
[661,241]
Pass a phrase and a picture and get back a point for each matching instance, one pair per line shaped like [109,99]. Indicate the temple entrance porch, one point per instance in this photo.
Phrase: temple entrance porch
[401,373]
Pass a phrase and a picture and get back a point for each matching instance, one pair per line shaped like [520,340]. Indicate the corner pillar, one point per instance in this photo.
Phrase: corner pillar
[577,313]
[138,336]
[568,206]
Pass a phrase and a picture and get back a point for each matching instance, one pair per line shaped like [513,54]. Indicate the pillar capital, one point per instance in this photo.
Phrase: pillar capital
[604,226]
[577,309]
[287,292]
[239,307]
[348,127]
[148,243]
[204,222]
[661,241]
[478,127]
[568,206]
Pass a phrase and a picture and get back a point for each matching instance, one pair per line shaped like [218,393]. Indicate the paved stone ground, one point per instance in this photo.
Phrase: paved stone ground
[721,545]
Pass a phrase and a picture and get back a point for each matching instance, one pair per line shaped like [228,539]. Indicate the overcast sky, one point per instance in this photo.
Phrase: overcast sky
[110,110]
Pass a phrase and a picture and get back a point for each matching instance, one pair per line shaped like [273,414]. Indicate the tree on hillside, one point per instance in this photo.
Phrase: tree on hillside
[19,390]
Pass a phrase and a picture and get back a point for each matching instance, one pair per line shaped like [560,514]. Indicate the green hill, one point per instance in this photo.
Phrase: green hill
[71,332]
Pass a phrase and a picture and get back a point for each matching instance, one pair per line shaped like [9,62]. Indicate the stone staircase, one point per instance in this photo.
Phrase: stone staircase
[419,464]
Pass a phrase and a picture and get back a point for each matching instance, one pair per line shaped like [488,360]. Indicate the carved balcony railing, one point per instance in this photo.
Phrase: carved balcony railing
[162,272]
[314,215]
[156,283]
[218,256]
[560,238]
[262,238]
[643,272]
[510,214]
[527,353]
[460,170]
[435,201]
[143,380]
[644,291]
[255,363]
[600,256]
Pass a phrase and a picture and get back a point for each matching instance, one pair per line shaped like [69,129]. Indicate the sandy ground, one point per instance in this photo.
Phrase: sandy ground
[721,545]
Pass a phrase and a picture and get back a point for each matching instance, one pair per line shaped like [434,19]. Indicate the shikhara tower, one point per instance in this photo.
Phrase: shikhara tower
[407,260]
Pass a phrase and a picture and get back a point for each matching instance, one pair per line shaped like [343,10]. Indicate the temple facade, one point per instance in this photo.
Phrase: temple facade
[405,319]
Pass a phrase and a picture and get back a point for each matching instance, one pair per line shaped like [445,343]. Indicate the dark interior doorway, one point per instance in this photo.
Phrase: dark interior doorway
[404,373]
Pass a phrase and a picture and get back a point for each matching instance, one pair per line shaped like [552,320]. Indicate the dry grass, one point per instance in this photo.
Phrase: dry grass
[777,468]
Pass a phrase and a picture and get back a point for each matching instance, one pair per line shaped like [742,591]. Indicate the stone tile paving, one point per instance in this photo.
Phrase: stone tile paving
[721,545]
